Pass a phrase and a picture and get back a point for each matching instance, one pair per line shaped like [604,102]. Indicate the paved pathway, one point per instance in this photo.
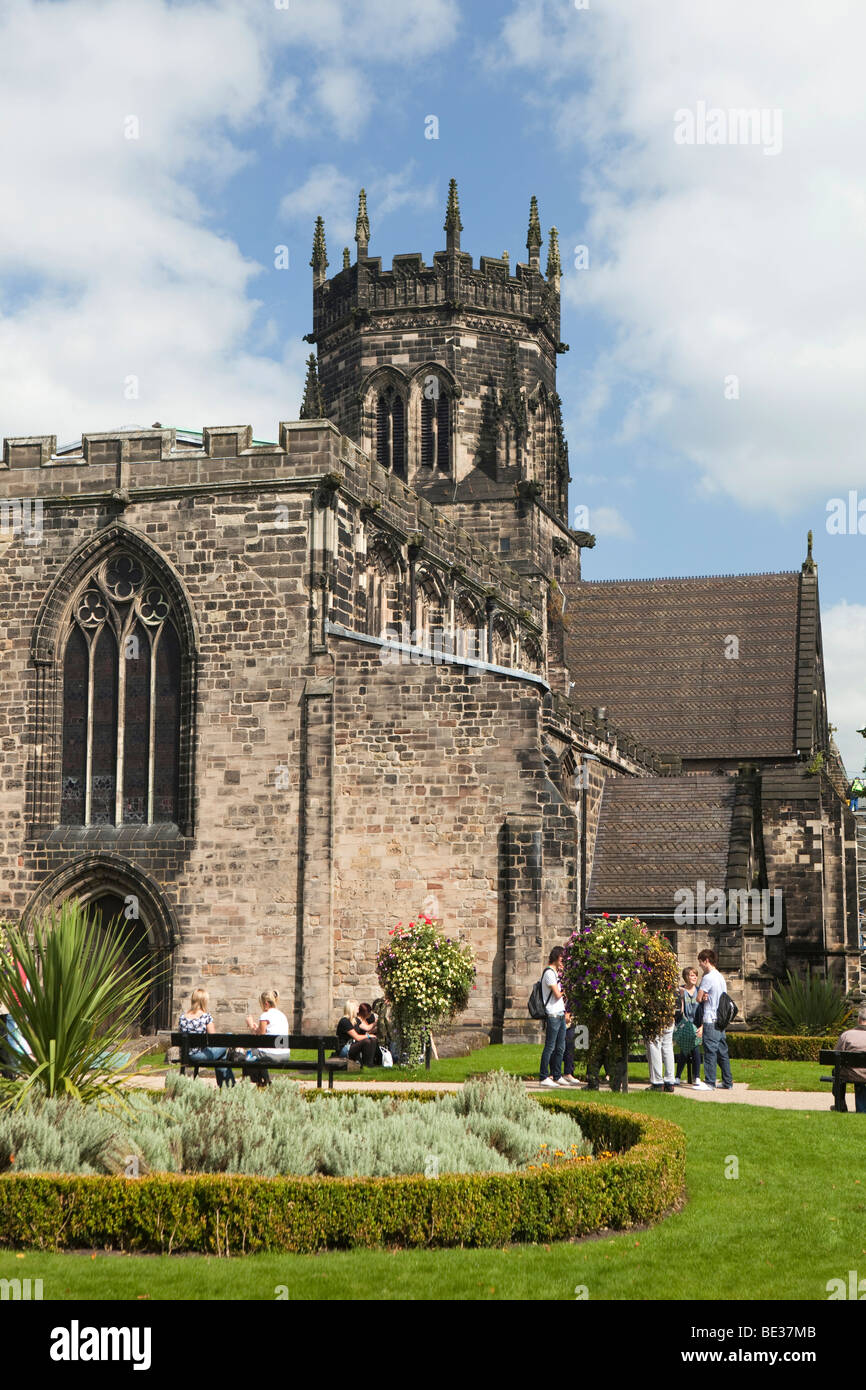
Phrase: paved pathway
[740,1095]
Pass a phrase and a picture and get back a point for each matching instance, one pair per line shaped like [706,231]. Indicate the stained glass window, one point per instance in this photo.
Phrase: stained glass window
[76,666]
[121,701]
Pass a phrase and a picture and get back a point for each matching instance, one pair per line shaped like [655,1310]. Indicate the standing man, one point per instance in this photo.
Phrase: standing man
[554,1038]
[715,1043]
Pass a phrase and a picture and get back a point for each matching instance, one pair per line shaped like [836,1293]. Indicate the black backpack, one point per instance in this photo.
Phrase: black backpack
[536,1006]
[725,1013]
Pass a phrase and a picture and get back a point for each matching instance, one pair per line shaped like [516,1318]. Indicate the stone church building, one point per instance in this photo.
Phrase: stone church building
[264,699]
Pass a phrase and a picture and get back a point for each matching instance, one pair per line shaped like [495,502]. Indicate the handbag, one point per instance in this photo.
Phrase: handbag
[387,1059]
[685,1038]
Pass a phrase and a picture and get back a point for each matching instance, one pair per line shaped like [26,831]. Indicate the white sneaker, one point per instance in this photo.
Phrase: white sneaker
[571,1081]
[548,1081]
[701,1086]
[562,1082]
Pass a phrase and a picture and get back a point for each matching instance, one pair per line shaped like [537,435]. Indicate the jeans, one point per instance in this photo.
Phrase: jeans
[840,1093]
[716,1045]
[660,1053]
[366,1052]
[695,1059]
[344,1050]
[554,1047]
[568,1055]
[225,1075]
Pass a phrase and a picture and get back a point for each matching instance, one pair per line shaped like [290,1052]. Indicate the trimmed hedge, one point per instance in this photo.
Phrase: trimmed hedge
[222,1214]
[777,1047]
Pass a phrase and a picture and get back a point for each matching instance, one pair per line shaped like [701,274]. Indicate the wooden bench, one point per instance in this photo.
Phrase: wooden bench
[194,1042]
[838,1061]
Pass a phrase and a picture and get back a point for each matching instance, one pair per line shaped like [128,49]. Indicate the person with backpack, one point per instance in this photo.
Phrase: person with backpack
[554,1037]
[713,995]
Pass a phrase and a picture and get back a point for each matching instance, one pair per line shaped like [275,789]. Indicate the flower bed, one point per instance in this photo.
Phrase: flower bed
[489,1126]
[226,1214]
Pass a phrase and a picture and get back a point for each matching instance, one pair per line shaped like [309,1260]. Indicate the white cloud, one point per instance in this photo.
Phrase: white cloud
[111,263]
[334,195]
[608,523]
[328,193]
[385,31]
[844,629]
[346,98]
[714,262]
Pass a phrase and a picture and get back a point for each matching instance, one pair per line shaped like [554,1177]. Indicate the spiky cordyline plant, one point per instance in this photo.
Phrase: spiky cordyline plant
[80,1002]
[812,1007]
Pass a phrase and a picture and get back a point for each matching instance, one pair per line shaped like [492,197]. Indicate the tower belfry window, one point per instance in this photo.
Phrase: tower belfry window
[436,429]
[391,431]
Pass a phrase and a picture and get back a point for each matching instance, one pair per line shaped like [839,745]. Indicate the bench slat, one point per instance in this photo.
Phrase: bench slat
[305,1042]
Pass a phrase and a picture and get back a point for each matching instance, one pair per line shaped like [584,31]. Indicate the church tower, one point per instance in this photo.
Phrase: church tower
[445,374]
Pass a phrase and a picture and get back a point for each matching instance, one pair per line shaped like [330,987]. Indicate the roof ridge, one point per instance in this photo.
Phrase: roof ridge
[677,578]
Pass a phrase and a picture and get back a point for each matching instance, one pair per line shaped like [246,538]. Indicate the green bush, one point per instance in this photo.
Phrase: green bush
[490,1126]
[772,1047]
[812,1008]
[230,1215]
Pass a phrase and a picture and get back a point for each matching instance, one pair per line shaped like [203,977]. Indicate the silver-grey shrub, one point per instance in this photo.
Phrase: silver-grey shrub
[490,1126]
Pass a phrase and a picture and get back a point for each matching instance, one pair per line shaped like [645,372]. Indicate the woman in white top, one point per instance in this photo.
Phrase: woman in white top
[272,1023]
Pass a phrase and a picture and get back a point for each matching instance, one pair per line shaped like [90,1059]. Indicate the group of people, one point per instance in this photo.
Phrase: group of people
[696,1004]
[361,1036]
[198,1022]
[361,1033]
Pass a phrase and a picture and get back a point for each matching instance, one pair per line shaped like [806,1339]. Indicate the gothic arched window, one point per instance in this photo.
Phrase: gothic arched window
[469,633]
[502,643]
[121,700]
[435,426]
[391,431]
[429,616]
[384,592]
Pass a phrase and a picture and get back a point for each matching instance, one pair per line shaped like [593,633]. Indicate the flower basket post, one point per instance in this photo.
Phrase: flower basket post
[427,979]
[621,978]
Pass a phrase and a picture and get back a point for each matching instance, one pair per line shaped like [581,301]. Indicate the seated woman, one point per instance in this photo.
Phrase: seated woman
[273,1023]
[347,1028]
[366,1048]
[197,1020]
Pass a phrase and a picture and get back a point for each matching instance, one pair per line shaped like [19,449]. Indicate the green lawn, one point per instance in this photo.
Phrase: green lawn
[523,1059]
[794,1218]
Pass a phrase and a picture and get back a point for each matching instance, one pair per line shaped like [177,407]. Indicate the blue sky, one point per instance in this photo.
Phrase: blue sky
[714,387]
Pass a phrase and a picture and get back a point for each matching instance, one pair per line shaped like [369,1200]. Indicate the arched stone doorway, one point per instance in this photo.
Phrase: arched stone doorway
[114,891]
[109,909]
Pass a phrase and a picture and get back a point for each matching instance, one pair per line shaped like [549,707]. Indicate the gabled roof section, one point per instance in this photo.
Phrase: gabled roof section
[659,654]
[658,834]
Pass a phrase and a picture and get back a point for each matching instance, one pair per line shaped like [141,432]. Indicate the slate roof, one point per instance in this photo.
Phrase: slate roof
[658,834]
[653,652]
